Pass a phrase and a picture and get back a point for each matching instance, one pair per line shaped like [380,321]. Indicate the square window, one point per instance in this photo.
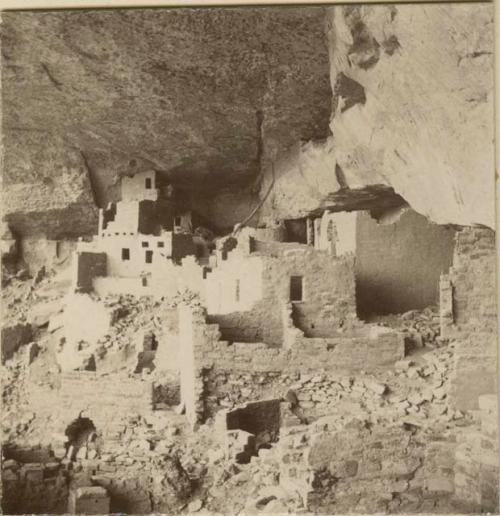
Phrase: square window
[161,244]
[145,244]
[296,288]
[125,254]
[148,183]
[149,256]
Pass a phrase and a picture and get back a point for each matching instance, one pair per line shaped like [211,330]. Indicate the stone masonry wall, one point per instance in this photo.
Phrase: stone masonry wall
[339,354]
[204,356]
[106,400]
[474,312]
[338,468]
[34,487]
[398,265]
[88,266]
[328,295]
[476,461]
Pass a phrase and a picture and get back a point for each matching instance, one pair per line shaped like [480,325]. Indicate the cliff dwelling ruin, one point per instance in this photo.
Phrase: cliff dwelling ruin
[248,261]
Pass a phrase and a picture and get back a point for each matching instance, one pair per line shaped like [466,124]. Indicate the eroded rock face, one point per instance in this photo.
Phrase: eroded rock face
[426,121]
[412,111]
[201,95]
[211,97]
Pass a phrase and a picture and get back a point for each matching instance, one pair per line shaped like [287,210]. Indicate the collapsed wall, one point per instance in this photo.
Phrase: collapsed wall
[204,358]
[340,466]
[105,399]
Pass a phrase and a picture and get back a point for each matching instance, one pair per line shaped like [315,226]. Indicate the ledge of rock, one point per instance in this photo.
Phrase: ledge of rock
[412,112]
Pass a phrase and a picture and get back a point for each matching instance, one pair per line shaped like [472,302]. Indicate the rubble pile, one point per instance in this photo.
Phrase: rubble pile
[414,392]
[421,327]
[388,428]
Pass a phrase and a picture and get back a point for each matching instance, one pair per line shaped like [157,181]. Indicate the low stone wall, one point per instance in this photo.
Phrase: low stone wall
[138,480]
[476,461]
[34,487]
[349,466]
[203,355]
[106,400]
[307,354]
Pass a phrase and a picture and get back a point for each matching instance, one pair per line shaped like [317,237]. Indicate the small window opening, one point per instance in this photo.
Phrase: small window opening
[177,221]
[148,183]
[149,256]
[144,282]
[161,244]
[125,254]
[145,244]
[296,288]
[237,291]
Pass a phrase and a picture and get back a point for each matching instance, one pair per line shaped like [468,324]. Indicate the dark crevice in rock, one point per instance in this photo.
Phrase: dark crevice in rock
[51,77]
[365,49]
[92,181]
[348,90]
[390,45]
[341,180]
[24,129]
[474,55]
[75,220]
[400,157]
[373,197]
[260,139]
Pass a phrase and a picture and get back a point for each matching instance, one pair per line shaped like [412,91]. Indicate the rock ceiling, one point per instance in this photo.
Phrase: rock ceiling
[348,102]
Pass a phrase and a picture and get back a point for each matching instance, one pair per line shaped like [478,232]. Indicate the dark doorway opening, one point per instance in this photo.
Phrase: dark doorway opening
[296,230]
[296,289]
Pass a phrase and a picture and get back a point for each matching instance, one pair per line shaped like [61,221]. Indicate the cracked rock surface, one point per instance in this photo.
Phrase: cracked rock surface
[201,95]
[412,116]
